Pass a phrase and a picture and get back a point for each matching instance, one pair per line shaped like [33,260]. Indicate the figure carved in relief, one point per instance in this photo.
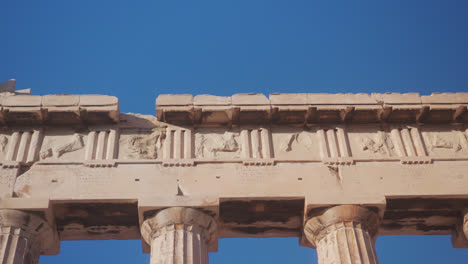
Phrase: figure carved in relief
[3,143]
[211,146]
[439,142]
[286,144]
[75,143]
[382,144]
[143,146]
[453,143]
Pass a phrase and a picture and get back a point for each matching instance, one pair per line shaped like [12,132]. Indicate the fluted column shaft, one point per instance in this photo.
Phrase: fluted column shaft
[460,232]
[17,246]
[465,223]
[179,244]
[23,236]
[344,235]
[179,236]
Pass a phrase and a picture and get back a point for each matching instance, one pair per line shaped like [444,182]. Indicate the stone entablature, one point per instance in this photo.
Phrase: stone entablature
[143,138]
[22,108]
[304,109]
[255,167]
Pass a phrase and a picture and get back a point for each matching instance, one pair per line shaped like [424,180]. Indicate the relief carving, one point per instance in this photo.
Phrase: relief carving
[439,142]
[286,144]
[3,143]
[142,146]
[74,144]
[289,141]
[294,144]
[450,142]
[213,146]
[382,144]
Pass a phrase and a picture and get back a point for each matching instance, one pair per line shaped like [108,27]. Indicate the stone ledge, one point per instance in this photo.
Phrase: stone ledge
[300,109]
[59,109]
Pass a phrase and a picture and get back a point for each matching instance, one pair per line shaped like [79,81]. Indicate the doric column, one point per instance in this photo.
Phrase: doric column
[465,223]
[179,235]
[22,237]
[344,234]
[460,232]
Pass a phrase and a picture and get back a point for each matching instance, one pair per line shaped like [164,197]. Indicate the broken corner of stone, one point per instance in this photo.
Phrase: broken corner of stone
[335,170]
[8,86]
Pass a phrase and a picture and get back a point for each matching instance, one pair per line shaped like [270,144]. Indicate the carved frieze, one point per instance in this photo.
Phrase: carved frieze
[286,144]
[3,145]
[334,146]
[256,143]
[102,144]
[184,146]
[381,143]
[446,142]
[141,144]
[437,141]
[218,145]
[101,147]
[56,149]
[295,144]
[178,144]
[22,146]
[62,144]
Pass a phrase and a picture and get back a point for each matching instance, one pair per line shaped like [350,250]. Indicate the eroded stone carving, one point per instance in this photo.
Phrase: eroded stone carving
[142,146]
[3,143]
[289,142]
[382,144]
[212,146]
[293,144]
[286,145]
[437,141]
[75,143]
[320,155]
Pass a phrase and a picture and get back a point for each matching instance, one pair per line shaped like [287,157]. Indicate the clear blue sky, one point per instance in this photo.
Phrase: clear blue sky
[136,50]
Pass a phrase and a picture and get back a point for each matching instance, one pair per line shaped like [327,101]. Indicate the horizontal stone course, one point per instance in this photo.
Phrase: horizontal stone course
[313,108]
[244,165]
[33,109]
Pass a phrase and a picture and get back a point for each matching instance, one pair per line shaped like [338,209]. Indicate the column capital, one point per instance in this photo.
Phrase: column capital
[341,216]
[465,223]
[179,217]
[460,231]
[34,236]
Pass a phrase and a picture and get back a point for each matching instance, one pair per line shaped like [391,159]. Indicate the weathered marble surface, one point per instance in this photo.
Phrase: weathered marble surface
[344,234]
[257,166]
[179,235]
[24,236]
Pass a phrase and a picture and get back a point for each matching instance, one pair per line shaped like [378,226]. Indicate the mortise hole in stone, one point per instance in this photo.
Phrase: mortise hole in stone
[54,180]
[39,227]
[137,180]
[300,179]
[218,177]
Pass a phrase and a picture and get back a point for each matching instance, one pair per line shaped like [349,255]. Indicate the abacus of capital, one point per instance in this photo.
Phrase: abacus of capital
[335,170]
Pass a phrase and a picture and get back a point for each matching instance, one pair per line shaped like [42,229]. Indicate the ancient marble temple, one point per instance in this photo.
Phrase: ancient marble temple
[335,170]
